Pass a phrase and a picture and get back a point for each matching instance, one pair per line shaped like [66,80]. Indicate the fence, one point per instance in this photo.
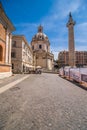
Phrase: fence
[77,74]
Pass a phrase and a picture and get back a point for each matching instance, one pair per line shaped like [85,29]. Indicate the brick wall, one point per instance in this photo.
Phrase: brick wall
[2,42]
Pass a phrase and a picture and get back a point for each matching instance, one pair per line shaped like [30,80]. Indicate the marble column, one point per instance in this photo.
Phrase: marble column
[70,26]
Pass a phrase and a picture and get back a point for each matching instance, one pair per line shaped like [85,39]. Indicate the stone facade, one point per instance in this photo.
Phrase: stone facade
[80,58]
[22,55]
[41,49]
[6,29]
[70,26]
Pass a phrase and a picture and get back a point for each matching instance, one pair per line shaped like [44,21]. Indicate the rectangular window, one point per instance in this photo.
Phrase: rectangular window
[32,47]
[13,55]
[12,66]
[40,46]
[13,43]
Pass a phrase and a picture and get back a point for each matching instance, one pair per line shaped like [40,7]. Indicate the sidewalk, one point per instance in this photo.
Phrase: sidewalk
[82,85]
[10,79]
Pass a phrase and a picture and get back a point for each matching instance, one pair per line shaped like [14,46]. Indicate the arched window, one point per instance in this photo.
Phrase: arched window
[1,53]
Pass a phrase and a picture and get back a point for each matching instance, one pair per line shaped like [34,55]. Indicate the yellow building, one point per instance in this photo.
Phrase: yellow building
[21,55]
[6,29]
[41,49]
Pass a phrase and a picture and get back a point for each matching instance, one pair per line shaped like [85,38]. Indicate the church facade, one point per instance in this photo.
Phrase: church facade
[41,50]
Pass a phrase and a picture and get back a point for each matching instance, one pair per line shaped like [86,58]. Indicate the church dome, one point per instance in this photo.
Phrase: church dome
[40,36]
[40,41]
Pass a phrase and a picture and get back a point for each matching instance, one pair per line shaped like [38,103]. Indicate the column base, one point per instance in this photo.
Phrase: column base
[5,75]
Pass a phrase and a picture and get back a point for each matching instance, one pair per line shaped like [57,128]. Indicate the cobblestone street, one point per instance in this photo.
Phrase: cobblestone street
[44,102]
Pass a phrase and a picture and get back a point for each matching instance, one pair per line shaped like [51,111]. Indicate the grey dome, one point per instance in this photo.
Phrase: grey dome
[40,36]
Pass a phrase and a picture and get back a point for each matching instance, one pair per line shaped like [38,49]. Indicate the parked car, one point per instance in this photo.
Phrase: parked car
[38,70]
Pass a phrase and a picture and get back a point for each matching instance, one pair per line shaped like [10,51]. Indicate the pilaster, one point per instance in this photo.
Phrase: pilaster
[10,41]
[7,40]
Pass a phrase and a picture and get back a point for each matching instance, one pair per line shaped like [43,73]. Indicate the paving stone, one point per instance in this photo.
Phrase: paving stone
[44,102]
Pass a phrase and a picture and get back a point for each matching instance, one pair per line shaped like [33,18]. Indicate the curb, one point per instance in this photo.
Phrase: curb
[76,83]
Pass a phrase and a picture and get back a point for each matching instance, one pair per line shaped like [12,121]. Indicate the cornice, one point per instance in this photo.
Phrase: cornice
[4,18]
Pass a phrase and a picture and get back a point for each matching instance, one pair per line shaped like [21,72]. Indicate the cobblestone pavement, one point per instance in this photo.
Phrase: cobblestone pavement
[10,79]
[44,102]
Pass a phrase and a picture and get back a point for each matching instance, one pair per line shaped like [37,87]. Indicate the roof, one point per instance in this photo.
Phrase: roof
[23,38]
[4,17]
[40,36]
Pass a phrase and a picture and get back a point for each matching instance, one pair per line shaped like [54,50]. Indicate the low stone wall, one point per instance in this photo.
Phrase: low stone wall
[50,71]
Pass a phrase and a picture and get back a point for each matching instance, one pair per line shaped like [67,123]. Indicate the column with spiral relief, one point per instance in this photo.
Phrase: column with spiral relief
[71,44]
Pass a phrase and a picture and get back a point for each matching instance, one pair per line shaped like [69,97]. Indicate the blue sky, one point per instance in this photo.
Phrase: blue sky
[27,15]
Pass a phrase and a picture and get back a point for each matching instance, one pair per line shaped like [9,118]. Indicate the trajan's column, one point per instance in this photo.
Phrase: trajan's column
[71,45]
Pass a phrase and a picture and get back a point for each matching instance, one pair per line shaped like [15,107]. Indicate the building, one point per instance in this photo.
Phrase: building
[63,58]
[41,49]
[71,45]
[80,58]
[6,28]
[22,55]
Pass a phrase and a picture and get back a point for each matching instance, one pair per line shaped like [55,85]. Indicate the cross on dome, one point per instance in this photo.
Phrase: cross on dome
[40,29]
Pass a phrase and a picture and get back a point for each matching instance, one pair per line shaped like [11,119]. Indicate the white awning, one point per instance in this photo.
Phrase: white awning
[38,67]
[27,65]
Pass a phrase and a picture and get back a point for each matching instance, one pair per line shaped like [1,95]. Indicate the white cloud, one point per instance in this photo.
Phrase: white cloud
[27,29]
[55,55]
[82,26]
[26,25]
[81,48]
[58,40]
[54,25]
[61,9]
[81,40]
[81,34]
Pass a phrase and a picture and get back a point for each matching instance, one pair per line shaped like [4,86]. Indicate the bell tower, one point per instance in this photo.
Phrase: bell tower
[71,45]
